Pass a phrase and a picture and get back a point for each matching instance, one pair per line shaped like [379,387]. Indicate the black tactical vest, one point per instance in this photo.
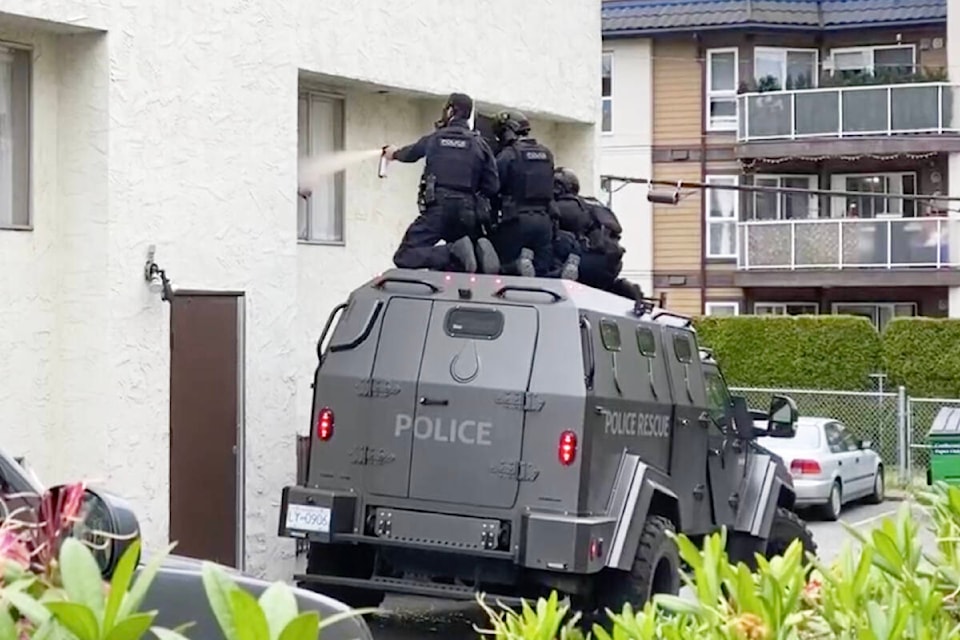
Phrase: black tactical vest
[573,215]
[531,182]
[453,158]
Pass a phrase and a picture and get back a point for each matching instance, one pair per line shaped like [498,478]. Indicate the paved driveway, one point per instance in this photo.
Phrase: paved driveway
[418,617]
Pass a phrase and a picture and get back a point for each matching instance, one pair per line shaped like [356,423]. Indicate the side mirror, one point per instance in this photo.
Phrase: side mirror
[106,524]
[782,420]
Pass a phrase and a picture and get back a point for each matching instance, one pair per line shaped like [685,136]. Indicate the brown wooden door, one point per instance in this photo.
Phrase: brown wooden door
[205,425]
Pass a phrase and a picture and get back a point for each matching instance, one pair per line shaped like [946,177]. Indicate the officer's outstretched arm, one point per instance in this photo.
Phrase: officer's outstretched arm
[412,152]
[490,175]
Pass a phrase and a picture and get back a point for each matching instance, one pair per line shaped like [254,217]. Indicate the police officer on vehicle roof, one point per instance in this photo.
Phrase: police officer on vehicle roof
[524,233]
[459,180]
[589,227]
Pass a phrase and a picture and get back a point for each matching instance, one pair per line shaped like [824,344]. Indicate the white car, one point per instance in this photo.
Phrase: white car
[830,467]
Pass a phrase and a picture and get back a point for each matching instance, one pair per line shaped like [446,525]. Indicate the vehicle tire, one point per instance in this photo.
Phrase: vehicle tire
[656,569]
[787,527]
[879,490]
[344,561]
[831,510]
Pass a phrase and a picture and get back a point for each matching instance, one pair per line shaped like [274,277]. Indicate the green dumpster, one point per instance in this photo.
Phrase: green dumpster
[944,441]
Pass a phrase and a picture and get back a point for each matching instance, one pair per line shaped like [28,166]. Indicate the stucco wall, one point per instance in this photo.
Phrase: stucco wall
[177,127]
[627,151]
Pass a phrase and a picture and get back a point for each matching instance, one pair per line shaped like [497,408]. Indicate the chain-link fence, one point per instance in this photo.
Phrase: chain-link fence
[872,416]
[895,423]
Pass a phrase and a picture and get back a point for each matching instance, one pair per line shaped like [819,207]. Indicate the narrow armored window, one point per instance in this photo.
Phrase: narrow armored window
[610,335]
[681,346]
[646,343]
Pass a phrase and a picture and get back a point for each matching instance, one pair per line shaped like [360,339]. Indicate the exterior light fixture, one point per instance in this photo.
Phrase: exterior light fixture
[156,277]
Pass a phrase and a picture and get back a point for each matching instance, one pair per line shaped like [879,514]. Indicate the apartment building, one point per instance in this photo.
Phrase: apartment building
[127,125]
[849,96]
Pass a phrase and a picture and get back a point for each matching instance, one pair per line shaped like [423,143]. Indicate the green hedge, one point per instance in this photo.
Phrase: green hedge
[799,352]
[923,354]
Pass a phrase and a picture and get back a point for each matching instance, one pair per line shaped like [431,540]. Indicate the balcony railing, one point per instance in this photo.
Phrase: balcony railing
[870,110]
[849,243]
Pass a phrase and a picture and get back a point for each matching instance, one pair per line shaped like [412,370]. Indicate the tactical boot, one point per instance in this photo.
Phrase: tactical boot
[462,251]
[487,256]
[525,264]
[571,268]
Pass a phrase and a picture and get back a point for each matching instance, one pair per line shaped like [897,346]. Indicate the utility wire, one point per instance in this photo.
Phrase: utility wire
[685,184]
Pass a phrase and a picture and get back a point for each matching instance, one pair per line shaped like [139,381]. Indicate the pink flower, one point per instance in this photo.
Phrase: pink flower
[13,549]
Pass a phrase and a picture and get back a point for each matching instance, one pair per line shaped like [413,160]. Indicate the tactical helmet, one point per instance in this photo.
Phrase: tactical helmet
[514,122]
[565,181]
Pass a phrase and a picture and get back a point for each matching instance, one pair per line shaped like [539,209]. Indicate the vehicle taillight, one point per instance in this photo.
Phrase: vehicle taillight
[568,447]
[805,467]
[325,423]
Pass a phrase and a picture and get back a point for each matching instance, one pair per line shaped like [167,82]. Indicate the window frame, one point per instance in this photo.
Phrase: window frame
[608,323]
[730,179]
[640,350]
[784,51]
[871,49]
[722,94]
[877,306]
[813,183]
[608,99]
[838,182]
[784,306]
[28,50]
[719,304]
[340,187]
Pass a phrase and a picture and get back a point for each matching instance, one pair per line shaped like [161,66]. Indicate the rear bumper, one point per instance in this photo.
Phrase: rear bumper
[545,541]
[812,492]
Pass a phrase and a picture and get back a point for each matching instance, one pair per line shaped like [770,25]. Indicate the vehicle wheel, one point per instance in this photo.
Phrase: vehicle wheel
[878,487]
[831,510]
[787,527]
[345,561]
[656,569]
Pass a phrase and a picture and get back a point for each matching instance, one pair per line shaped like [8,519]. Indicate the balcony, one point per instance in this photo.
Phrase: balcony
[849,111]
[848,243]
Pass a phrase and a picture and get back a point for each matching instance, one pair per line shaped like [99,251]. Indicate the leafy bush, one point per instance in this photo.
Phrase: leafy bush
[51,587]
[799,352]
[923,354]
[889,589]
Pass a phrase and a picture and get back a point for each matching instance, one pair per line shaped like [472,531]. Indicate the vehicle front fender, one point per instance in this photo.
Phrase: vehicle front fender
[638,491]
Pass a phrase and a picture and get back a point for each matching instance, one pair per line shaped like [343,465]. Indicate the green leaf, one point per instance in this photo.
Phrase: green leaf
[7,627]
[219,587]
[248,616]
[167,634]
[120,584]
[676,604]
[81,575]
[132,627]
[76,617]
[305,626]
[329,621]
[141,585]
[27,606]
[279,605]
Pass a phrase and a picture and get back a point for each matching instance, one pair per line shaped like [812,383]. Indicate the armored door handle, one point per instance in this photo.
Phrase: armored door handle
[432,402]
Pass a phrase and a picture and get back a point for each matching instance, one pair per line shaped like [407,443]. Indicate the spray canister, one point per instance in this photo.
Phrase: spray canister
[382,168]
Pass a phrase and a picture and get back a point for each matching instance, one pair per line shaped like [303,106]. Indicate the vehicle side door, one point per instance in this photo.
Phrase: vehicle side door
[839,462]
[725,450]
[861,471]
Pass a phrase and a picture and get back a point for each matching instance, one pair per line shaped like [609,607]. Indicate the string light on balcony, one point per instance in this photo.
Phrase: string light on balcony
[751,164]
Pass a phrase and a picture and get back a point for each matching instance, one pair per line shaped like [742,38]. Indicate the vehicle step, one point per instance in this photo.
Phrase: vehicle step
[407,587]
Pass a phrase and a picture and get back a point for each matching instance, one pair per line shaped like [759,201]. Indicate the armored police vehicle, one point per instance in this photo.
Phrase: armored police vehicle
[519,435]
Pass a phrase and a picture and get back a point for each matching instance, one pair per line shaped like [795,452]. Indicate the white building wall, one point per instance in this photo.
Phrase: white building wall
[627,151]
[175,124]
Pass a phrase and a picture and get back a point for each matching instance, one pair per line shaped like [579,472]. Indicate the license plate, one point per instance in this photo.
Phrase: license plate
[308,518]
